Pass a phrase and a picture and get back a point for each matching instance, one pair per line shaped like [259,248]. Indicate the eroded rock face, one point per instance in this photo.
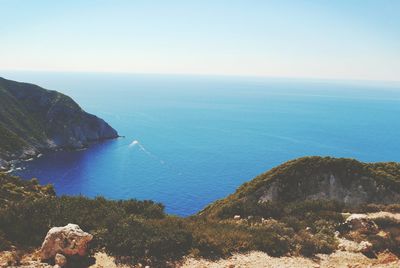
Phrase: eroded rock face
[330,186]
[68,240]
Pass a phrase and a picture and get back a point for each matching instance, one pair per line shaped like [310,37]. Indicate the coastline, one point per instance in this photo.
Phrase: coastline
[8,166]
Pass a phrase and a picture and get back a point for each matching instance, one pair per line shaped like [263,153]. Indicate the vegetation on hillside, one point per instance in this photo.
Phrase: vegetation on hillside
[14,190]
[140,231]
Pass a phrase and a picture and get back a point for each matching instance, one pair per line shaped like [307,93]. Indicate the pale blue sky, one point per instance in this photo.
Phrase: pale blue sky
[343,39]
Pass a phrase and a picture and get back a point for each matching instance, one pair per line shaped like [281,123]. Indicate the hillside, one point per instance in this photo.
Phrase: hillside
[346,181]
[33,120]
[298,221]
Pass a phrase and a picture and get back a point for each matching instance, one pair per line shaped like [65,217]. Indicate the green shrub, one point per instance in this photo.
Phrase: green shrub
[148,241]
[212,239]
[386,222]
[307,244]
[273,238]
[27,222]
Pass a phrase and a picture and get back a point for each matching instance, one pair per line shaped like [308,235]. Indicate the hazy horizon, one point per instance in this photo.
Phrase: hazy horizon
[20,76]
[340,40]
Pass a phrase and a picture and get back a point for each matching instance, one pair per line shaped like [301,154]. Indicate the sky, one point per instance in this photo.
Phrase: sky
[341,39]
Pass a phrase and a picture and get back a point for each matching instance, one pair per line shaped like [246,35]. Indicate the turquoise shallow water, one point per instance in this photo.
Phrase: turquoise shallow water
[192,140]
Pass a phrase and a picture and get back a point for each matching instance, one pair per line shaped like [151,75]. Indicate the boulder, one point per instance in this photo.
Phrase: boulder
[68,240]
[361,223]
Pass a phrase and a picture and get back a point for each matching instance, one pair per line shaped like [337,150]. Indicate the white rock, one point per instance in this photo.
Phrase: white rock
[68,240]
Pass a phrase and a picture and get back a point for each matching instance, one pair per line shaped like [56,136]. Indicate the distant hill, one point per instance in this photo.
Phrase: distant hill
[347,181]
[33,119]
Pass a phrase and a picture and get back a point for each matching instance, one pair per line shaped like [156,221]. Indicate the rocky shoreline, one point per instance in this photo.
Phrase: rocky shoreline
[8,166]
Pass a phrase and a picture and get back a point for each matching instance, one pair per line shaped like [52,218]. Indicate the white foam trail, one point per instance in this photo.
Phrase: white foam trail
[143,149]
[140,147]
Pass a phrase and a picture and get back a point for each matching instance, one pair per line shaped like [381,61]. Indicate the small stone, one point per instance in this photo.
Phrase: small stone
[365,247]
[60,259]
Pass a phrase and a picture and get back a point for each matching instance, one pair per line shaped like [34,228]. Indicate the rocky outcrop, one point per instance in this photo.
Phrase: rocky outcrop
[68,240]
[317,178]
[343,180]
[333,186]
[33,120]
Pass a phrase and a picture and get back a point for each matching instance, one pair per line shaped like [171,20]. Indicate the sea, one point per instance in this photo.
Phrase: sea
[191,140]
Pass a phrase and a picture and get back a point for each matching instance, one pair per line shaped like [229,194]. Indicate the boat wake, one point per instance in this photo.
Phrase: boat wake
[143,149]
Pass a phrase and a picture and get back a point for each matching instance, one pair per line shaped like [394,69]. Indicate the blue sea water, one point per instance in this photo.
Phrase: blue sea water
[192,140]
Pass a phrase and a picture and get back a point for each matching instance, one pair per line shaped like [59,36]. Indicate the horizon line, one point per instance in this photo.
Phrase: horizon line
[206,75]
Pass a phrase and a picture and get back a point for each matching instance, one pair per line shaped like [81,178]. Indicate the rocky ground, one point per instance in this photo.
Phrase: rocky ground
[259,259]
[253,259]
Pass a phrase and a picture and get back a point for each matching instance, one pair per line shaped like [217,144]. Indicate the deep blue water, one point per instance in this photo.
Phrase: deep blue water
[192,140]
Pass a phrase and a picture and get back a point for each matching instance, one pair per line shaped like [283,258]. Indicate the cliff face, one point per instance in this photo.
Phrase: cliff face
[347,181]
[33,119]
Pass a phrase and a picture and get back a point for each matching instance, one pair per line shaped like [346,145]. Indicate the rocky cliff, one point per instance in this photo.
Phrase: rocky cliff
[33,119]
[343,180]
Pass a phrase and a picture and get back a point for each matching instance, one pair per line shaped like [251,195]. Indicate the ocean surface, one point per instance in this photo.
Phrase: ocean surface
[190,140]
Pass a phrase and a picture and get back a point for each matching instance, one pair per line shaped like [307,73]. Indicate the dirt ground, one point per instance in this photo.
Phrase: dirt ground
[339,259]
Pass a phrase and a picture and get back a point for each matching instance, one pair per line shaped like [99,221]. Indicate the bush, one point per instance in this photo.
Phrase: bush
[387,222]
[394,208]
[27,222]
[150,241]
[212,239]
[273,238]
